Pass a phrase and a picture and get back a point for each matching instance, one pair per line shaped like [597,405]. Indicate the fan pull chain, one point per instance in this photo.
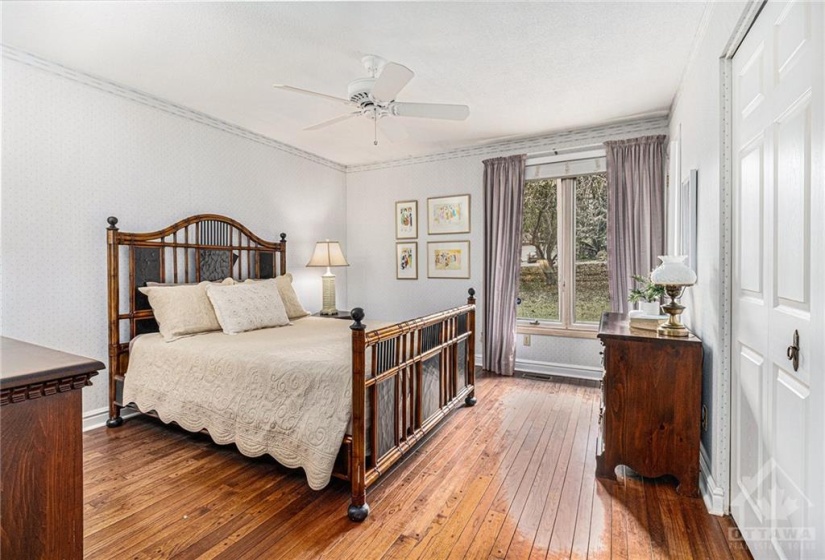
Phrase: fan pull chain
[375,127]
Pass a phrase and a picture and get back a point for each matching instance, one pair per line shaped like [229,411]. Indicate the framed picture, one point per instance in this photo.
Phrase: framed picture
[406,219]
[406,260]
[448,259]
[448,214]
[687,218]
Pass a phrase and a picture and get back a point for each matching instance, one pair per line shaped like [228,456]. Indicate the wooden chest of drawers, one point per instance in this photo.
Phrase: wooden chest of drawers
[41,451]
[651,404]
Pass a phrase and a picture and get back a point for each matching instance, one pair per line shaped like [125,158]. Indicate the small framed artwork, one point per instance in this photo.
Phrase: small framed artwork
[448,214]
[448,259]
[406,260]
[687,218]
[406,219]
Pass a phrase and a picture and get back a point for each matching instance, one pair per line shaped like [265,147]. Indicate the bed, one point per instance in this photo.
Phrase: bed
[332,397]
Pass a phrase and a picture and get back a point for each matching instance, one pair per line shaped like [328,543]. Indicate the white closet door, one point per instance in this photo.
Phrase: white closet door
[779,208]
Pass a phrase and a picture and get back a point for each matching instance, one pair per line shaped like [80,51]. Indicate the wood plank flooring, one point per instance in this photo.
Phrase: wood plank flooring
[512,477]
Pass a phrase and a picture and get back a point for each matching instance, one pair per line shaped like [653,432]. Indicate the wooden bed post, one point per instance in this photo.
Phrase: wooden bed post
[471,349]
[115,419]
[358,510]
[283,257]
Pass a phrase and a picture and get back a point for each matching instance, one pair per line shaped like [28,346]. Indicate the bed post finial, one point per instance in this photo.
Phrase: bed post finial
[112,222]
[283,238]
[357,316]
[472,293]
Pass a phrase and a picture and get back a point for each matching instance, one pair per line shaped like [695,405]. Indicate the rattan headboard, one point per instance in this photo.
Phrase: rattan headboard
[198,248]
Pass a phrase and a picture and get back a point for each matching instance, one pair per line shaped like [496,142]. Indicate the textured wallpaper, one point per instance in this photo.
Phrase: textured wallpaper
[73,155]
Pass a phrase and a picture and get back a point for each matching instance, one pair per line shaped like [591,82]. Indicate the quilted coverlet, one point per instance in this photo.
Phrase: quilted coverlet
[282,391]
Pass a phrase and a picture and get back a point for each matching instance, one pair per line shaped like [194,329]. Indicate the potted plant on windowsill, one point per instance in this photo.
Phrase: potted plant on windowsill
[647,295]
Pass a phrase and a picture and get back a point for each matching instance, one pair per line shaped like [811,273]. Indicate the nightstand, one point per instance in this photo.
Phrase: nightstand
[341,315]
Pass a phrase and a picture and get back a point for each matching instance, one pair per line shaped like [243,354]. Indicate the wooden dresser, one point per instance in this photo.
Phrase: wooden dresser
[41,451]
[651,404]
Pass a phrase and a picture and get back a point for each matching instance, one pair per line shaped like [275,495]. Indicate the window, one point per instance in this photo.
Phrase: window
[563,276]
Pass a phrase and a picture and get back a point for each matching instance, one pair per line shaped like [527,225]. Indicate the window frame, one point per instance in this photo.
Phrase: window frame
[566,238]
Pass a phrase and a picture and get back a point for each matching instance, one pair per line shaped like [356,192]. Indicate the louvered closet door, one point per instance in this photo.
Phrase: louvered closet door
[778,412]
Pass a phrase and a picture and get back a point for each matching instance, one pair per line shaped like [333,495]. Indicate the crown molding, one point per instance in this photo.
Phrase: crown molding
[556,141]
[102,84]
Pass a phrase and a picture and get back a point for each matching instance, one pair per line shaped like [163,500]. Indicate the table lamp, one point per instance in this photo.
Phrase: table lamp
[328,253]
[674,275]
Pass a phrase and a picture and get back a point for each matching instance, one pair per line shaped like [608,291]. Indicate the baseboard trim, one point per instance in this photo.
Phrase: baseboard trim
[561,370]
[712,494]
[552,369]
[97,418]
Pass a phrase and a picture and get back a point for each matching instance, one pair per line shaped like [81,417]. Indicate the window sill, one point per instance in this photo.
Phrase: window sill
[547,330]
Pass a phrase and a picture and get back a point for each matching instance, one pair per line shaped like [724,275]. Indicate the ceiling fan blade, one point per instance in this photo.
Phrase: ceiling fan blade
[393,78]
[314,93]
[430,111]
[333,121]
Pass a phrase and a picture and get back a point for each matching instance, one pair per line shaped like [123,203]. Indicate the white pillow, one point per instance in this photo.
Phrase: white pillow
[247,306]
[182,310]
[292,304]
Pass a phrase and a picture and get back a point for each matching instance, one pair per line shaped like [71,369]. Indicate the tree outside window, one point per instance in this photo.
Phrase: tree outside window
[563,276]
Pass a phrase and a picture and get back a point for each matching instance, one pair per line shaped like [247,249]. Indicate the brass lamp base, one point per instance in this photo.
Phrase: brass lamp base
[673,330]
[674,326]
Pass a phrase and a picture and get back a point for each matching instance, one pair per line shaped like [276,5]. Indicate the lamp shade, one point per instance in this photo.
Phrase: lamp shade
[328,253]
[673,272]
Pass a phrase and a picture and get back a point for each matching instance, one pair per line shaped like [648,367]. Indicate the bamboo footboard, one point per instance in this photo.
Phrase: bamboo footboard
[403,357]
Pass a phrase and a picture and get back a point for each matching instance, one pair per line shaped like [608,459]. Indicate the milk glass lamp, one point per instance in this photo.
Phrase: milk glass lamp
[674,275]
[328,253]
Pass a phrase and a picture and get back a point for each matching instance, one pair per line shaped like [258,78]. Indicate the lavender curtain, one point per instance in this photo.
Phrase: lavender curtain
[503,209]
[635,211]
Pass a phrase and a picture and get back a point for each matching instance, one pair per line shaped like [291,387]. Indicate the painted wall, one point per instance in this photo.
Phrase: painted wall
[371,195]
[73,155]
[696,121]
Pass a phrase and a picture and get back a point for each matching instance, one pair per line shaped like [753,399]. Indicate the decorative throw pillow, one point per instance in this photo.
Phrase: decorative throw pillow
[182,310]
[248,306]
[292,304]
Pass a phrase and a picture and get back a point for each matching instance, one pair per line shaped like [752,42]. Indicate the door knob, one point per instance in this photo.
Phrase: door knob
[793,351]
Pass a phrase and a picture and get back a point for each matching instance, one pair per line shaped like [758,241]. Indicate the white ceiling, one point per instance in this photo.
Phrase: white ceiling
[523,68]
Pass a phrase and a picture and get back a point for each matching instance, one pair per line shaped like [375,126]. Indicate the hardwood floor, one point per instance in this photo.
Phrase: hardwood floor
[512,477]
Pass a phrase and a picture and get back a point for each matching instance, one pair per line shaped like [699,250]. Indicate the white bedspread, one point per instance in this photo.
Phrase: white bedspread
[283,391]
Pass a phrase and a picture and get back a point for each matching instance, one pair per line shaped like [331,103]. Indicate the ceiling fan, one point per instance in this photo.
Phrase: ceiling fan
[374,97]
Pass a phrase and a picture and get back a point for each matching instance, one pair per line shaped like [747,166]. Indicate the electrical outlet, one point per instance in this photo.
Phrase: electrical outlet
[527,340]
